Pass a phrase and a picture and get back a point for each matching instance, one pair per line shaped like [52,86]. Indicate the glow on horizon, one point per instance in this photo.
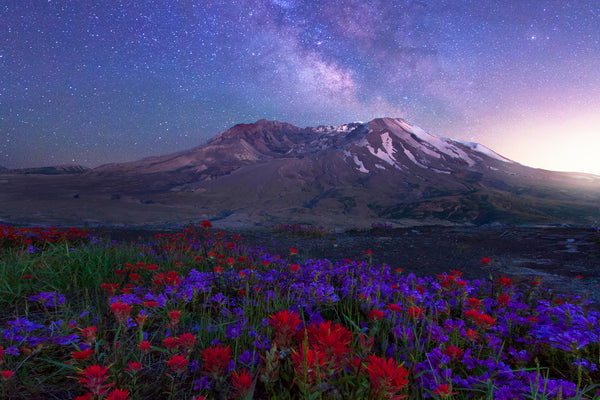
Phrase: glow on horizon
[557,144]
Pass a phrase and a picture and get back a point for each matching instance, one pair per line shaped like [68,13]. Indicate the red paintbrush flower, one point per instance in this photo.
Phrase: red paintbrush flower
[504,281]
[82,355]
[333,341]
[144,346]
[133,366]
[171,343]
[480,319]
[216,359]
[242,383]
[308,364]
[7,374]
[444,391]
[178,363]
[285,323]
[503,300]
[453,352]
[174,316]
[93,378]
[121,311]
[187,341]
[118,394]
[376,314]
[474,303]
[415,312]
[89,334]
[387,377]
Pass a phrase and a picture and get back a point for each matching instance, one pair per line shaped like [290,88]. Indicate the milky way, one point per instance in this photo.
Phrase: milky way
[92,82]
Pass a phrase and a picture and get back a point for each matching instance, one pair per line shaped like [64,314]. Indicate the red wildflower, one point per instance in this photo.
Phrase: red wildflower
[144,346]
[110,288]
[1,353]
[578,277]
[118,394]
[535,282]
[171,343]
[485,260]
[387,378]
[178,363]
[480,319]
[218,270]
[473,335]
[415,312]
[187,341]
[7,374]
[533,319]
[151,267]
[333,341]
[293,252]
[206,224]
[307,363]
[294,267]
[444,391]
[394,307]
[230,261]
[376,314]
[121,311]
[82,355]
[135,277]
[474,303]
[93,378]
[26,277]
[174,316]
[216,359]
[285,323]
[173,278]
[242,383]
[504,281]
[453,352]
[133,366]
[503,300]
[89,334]
[140,320]
[87,396]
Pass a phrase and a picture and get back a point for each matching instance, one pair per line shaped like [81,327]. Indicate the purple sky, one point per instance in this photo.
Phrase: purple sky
[105,81]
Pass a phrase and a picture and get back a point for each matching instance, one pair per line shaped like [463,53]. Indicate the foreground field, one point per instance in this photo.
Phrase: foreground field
[199,314]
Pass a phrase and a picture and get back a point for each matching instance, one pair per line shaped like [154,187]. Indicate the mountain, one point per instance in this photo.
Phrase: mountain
[358,173]
[51,170]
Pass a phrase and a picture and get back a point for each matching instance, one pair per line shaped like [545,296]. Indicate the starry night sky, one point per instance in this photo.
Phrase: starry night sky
[92,82]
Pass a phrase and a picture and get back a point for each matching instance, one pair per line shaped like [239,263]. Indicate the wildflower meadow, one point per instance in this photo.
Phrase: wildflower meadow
[200,315]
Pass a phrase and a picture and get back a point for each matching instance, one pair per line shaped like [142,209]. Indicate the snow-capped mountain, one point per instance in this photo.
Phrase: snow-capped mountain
[383,170]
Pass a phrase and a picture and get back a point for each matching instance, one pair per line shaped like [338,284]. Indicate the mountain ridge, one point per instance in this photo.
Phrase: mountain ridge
[383,170]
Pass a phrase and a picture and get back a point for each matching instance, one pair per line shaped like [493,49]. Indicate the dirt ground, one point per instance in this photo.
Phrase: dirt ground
[566,259]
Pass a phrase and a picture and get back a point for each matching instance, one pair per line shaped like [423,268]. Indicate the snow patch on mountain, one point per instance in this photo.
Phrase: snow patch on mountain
[385,154]
[361,166]
[484,150]
[411,157]
[434,142]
